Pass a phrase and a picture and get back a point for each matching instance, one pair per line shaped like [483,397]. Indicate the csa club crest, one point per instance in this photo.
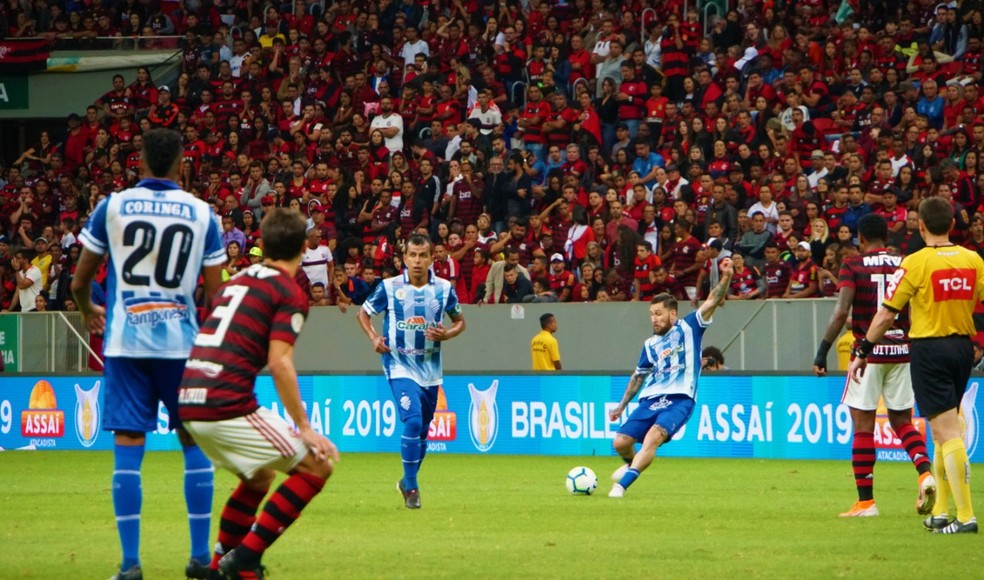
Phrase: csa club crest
[483,416]
[87,415]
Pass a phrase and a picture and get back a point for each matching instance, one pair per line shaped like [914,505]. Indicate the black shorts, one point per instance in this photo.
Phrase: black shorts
[940,369]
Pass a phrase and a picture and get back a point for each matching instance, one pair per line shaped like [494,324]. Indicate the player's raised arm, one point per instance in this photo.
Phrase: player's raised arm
[845,298]
[719,292]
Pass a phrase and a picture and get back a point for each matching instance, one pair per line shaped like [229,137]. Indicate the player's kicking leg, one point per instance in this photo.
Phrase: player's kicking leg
[643,459]
[654,422]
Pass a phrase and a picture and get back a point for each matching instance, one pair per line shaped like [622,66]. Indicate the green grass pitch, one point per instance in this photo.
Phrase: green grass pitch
[501,517]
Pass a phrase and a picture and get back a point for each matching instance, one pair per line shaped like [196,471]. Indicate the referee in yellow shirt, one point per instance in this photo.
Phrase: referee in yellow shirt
[543,347]
[942,283]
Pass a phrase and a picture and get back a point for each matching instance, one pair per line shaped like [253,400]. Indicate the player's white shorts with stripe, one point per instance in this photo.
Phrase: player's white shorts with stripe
[244,445]
[889,380]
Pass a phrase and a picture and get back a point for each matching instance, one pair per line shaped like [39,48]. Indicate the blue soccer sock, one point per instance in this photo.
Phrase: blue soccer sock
[198,487]
[127,500]
[410,449]
[629,478]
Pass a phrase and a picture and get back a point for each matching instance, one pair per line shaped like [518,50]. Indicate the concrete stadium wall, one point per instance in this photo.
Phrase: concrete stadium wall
[755,336]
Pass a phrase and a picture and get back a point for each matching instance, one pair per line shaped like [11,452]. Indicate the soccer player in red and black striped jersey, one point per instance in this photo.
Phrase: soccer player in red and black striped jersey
[865,280]
[254,323]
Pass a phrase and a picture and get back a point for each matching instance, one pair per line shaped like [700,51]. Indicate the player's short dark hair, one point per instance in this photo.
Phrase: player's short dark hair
[284,234]
[666,300]
[545,320]
[937,214]
[162,151]
[420,240]
[873,227]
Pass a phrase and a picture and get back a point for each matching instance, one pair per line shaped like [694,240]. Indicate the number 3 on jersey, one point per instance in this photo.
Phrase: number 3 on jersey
[224,314]
[172,254]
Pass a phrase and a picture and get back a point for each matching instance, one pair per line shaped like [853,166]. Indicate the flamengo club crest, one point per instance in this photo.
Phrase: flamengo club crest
[87,415]
[483,416]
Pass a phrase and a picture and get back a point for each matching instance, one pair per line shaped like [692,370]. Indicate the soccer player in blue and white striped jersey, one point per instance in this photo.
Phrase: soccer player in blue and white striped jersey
[414,305]
[158,239]
[667,374]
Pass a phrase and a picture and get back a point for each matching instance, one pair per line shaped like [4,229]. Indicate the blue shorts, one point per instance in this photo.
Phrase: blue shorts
[670,412]
[413,400]
[133,388]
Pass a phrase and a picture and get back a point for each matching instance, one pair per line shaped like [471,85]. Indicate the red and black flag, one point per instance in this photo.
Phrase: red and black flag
[23,56]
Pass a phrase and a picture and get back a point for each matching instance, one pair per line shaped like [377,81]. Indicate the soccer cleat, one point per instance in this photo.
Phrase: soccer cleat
[134,573]
[936,522]
[235,568]
[618,473]
[927,494]
[861,509]
[958,527]
[197,570]
[410,498]
[617,491]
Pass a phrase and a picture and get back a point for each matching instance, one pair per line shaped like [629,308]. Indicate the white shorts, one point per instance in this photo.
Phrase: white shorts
[245,445]
[890,381]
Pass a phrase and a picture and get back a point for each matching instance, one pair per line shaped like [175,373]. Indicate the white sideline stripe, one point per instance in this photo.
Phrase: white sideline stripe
[127,518]
[126,472]
[202,470]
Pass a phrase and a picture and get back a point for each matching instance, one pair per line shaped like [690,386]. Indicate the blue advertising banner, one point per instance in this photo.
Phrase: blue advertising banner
[782,417]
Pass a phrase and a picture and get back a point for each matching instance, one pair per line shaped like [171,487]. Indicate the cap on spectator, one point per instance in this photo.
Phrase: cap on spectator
[74,117]
[315,206]
[715,244]
[557,258]
[803,246]
[164,89]
[256,251]
[736,167]
[4,240]
[672,167]
[817,154]
[266,200]
[42,240]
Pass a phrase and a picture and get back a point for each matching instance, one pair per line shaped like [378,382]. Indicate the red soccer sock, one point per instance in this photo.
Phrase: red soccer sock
[915,446]
[280,511]
[863,460]
[238,516]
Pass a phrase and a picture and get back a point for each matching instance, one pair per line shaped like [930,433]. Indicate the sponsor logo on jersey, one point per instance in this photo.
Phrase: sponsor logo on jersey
[87,414]
[415,323]
[153,311]
[43,419]
[953,284]
[483,416]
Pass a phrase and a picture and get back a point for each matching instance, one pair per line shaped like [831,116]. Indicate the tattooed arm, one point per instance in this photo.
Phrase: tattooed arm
[719,292]
[635,383]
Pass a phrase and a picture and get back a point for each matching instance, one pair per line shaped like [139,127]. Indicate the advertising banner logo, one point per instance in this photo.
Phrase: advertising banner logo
[483,416]
[43,421]
[87,414]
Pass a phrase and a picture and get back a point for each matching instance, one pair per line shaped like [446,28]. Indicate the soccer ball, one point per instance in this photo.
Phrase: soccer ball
[581,481]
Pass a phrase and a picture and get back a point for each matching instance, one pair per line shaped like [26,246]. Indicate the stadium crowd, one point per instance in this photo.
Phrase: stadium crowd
[553,150]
